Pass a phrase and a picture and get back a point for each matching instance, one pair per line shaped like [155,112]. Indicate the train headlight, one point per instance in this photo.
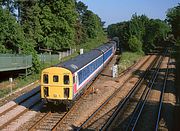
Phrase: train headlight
[46,91]
[66,92]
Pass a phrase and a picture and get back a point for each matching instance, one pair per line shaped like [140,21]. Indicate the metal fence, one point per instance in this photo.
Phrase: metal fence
[47,58]
[14,62]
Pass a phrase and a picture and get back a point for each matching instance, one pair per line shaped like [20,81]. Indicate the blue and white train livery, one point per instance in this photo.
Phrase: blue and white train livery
[65,81]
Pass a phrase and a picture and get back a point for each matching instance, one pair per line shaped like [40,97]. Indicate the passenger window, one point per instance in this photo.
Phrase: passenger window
[45,79]
[55,78]
[66,79]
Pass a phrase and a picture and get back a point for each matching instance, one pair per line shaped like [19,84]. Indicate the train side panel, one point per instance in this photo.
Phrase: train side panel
[90,71]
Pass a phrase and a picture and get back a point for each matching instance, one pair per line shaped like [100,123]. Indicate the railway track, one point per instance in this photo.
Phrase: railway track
[61,125]
[95,120]
[137,114]
[48,121]
[131,103]
[162,95]
[55,117]
[14,109]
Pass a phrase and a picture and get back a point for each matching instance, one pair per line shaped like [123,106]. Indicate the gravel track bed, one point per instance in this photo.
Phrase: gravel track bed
[149,115]
[18,110]
[123,119]
[18,100]
[16,125]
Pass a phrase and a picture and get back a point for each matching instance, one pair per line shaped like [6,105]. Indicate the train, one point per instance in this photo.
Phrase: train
[64,82]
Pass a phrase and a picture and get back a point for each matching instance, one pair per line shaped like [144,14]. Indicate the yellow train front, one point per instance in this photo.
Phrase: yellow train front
[64,82]
[56,84]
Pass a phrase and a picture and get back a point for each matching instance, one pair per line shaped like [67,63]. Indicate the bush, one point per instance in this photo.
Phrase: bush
[135,45]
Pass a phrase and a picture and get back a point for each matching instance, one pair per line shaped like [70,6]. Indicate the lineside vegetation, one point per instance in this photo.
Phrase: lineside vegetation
[26,27]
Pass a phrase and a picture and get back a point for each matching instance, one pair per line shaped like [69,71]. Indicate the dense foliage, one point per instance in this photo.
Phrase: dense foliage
[11,34]
[173,18]
[140,33]
[28,26]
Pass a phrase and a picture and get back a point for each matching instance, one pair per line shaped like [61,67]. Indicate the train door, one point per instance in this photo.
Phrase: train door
[75,84]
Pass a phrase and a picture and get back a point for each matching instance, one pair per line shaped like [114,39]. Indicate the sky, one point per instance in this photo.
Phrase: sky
[113,11]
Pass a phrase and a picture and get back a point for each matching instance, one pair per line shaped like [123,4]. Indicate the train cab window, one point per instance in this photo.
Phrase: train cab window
[45,79]
[66,79]
[55,78]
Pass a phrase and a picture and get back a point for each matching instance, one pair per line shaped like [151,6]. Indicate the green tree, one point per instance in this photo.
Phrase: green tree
[50,24]
[120,30]
[88,25]
[92,24]
[11,34]
[156,33]
[12,39]
[81,35]
[135,44]
[173,18]
[81,8]
[137,26]
[145,32]
[59,20]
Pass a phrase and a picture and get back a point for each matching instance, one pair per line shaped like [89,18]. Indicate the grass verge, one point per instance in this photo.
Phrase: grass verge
[127,59]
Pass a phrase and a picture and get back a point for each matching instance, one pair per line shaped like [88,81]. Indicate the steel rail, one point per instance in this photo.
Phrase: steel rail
[141,99]
[20,114]
[162,95]
[122,104]
[20,102]
[39,121]
[110,99]
[151,83]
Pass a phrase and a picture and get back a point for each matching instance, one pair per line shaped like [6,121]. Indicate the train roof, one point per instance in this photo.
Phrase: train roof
[79,61]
